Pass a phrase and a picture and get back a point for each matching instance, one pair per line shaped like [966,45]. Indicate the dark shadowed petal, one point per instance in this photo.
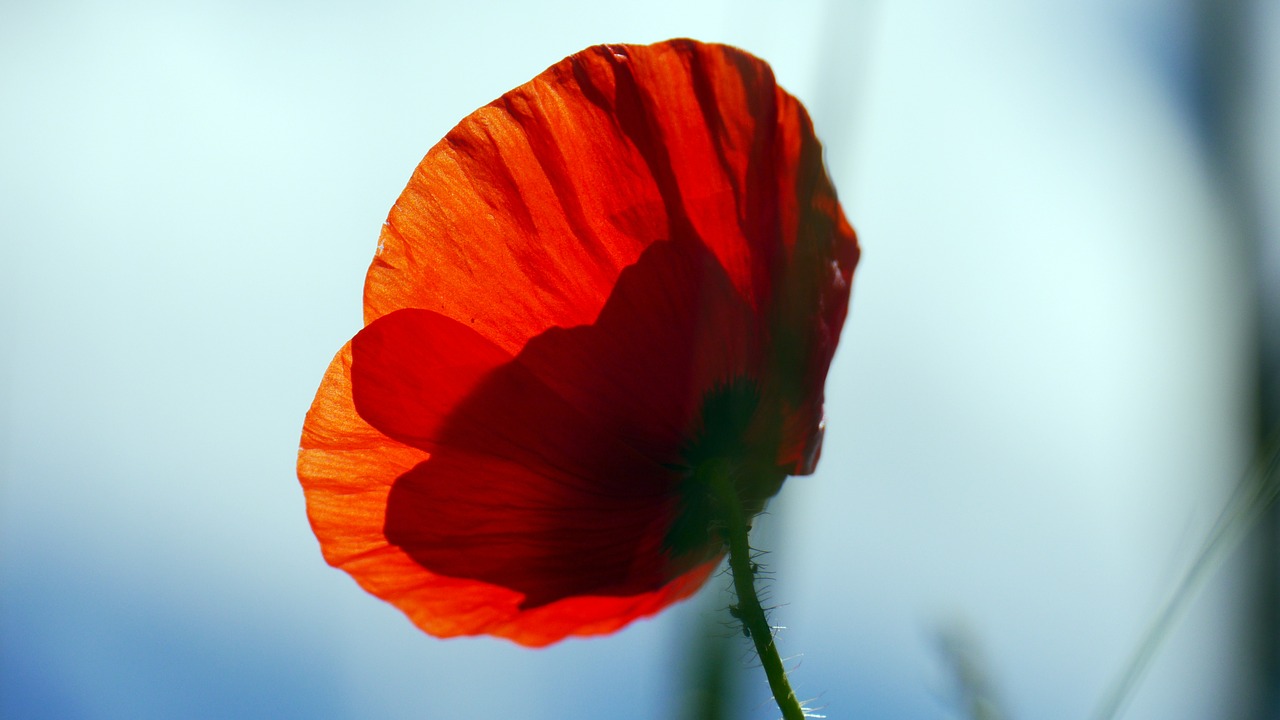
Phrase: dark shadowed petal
[451,395]
[528,486]
[673,330]
[812,299]
[348,469]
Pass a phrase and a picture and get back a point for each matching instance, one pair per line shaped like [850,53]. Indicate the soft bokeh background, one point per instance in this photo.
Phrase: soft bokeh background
[1043,397]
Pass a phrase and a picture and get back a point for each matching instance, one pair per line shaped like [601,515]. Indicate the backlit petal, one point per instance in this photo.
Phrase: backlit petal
[523,216]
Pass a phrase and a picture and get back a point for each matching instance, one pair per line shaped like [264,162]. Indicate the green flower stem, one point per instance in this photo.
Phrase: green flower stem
[749,611]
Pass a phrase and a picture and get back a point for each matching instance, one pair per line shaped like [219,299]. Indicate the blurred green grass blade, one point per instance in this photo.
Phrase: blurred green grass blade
[710,675]
[960,652]
[1247,505]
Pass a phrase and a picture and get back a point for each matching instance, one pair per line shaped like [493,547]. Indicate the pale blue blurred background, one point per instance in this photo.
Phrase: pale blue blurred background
[1042,398]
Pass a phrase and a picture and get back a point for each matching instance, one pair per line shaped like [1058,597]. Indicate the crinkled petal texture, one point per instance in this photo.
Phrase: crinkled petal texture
[629,264]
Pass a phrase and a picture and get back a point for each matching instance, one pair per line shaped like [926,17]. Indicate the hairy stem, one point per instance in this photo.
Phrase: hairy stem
[749,611]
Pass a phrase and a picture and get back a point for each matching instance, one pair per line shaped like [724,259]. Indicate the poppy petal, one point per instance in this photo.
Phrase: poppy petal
[348,470]
[432,383]
[811,304]
[522,217]
[523,490]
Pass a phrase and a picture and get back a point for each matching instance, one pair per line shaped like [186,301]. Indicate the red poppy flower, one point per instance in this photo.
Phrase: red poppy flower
[632,265]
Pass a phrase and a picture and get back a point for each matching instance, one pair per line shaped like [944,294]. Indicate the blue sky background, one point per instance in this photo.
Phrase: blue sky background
[1040,402]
